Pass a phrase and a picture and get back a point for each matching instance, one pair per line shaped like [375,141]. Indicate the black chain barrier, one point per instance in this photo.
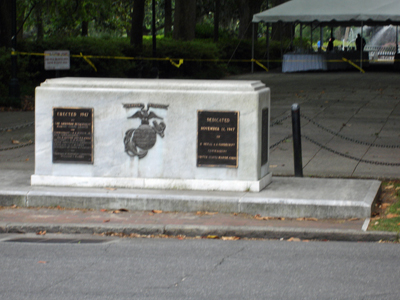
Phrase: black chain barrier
[18,146]
[272,146]
[279,121]
[281,141]
[16,127]
[347,138]
[340,136]
[349,156]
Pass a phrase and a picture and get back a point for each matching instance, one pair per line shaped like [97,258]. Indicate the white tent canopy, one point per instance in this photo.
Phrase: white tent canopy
[332,11]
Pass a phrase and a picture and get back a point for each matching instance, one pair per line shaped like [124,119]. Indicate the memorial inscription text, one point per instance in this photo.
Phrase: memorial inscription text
[217,139]
[72,135]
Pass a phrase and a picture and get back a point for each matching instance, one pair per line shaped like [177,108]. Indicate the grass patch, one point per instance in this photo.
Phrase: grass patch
[386,215]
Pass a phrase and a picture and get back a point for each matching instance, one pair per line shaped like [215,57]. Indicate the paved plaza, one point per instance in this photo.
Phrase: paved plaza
[363,108]
[350,127]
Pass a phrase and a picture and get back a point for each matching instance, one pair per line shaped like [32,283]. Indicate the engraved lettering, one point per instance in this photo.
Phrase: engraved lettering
[205,128]
[218,120]
[217,139]
[72,135]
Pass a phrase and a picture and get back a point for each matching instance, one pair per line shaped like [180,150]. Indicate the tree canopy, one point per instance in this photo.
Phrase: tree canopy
[38,19]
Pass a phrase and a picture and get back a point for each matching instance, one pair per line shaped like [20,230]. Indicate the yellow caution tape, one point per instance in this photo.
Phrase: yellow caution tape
[353,64]
[180,60]
[260,64]
[174,63]
[88,61]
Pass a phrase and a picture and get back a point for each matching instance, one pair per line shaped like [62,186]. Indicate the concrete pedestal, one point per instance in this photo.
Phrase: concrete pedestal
[158,134]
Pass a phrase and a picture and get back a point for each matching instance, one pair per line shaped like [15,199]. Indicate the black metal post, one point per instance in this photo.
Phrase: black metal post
[297,154]
[154,70]
[153,27]
[14,84]
[252,48]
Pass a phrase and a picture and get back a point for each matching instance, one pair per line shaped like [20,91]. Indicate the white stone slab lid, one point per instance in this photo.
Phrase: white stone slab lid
[156,84]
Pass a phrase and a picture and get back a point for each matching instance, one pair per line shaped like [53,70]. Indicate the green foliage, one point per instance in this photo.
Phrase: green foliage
[389,220]
[303,43]
[64,18]
[202,59]
[31,67]
[206,31]
[191,52]
[5,66]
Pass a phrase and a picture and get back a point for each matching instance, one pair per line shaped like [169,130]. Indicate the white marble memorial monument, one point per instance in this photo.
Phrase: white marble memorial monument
[150,133]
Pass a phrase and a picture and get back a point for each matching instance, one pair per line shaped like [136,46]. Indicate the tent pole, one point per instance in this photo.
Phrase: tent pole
[320,39]
[281,28]
[311,37]
[361,48]
[268,46]
[301,35]
[252,49]
[291,35]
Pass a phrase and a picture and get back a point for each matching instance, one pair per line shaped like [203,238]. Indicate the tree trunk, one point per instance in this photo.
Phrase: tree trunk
[39,21]
[20,24]
[5,23]
[247,8]
[168,17]
[216,19]
[137,24]
[85,28]
[185,20]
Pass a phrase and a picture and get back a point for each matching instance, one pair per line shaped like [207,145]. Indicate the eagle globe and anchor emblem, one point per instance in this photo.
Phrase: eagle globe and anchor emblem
[139,140]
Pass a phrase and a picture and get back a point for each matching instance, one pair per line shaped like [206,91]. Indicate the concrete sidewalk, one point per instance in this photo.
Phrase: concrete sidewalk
[364,107]
[177,224]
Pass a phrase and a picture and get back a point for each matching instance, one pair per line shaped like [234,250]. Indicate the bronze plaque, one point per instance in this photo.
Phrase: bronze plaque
[72,135]
[264,136]
[217,138]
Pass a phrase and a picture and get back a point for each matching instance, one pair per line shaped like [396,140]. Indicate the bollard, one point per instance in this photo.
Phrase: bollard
[298,161]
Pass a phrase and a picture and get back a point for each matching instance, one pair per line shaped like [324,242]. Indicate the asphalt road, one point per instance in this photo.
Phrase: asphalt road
[198,269]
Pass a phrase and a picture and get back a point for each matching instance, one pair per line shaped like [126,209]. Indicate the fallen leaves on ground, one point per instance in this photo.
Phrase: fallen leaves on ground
[15,142]
[307,219]
[230,238]
[391,216]
[156,211]
[293,239]
[41,232]
[146,236]
[259,217]
[42,262]
[212,237]
[206,213]
[106,221]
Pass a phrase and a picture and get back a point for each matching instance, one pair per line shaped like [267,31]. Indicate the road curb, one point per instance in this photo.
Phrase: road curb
[204,231]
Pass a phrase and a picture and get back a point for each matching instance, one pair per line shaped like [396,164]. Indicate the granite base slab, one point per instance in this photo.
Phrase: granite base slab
[285,197]
[154,183]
